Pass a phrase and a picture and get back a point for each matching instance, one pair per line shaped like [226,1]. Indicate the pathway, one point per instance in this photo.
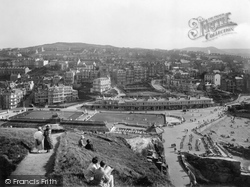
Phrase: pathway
[34,165]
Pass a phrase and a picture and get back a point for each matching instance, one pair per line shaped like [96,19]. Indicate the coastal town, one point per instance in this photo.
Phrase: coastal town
[175,100]
[124,93]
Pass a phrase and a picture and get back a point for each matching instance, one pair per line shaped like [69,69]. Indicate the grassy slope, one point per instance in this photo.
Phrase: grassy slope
[12,150]
[130,169]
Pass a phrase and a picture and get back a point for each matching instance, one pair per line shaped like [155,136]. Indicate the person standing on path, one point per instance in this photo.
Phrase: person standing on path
[47,139]
[38,136]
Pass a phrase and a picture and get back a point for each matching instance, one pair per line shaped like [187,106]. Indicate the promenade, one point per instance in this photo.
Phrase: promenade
[175,135]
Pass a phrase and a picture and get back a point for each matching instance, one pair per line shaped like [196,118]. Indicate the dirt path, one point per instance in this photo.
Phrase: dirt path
[34,164]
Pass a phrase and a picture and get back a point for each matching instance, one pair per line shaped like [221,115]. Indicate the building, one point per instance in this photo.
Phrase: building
[41,95]
[150,104]
[233,84]
[140,74]
[86,65]
[11,98]
[69,78]
[101,84]
[55,94]
[40,63]
[120,77]
[246,83]
[129,76]
[86,75]
[61,94]
[15,77]
[213,78]
[56,79]
[13,70]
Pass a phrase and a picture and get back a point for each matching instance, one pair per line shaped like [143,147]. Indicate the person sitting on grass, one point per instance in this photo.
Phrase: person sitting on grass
[103,177]
[93,166]
[89,145]
[81,141]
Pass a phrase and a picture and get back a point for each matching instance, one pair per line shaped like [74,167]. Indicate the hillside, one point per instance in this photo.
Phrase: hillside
[240,52]
[130,169]
[70,45]
[65,46]
[205,49]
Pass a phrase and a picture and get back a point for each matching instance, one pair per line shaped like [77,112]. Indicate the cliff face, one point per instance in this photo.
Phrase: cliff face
[237,150]
[216,170]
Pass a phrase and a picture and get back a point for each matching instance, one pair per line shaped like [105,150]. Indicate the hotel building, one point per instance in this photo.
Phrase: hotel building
[56,94]
[101,84]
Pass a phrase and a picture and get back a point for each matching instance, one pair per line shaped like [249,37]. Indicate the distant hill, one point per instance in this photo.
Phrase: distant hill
[66,45]
[240,52]
[70,45]
[205,49]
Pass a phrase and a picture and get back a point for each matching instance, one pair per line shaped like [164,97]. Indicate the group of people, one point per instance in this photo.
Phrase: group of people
[88,145]
[43,139]
[99,174]
[182,141]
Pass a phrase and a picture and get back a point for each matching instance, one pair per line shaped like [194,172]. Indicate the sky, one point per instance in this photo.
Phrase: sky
[161,24]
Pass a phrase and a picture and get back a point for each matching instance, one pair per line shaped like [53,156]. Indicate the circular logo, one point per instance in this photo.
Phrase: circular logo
[7,181]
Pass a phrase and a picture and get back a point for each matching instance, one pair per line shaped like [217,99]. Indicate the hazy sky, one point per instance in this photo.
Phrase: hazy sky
[150,24]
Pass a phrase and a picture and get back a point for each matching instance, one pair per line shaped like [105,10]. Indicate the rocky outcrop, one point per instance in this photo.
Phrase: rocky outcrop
[218,170]
[237,150]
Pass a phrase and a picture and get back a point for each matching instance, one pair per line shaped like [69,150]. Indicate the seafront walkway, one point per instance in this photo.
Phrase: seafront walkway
[175,135]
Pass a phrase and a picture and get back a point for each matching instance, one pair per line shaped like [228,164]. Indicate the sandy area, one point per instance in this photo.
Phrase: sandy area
[233,132]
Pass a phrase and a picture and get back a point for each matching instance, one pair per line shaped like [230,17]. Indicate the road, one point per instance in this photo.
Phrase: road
[157,85]
[120,93]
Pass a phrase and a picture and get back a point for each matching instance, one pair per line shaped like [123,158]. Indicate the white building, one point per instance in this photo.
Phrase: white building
[61,94]
[101,84]
[11,98]
[213,78]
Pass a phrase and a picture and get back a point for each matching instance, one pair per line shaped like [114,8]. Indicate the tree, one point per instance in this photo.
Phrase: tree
[57,67]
